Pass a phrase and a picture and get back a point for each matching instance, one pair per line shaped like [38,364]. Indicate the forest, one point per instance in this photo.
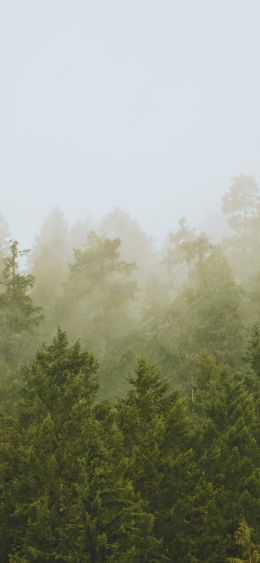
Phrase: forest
[129,390]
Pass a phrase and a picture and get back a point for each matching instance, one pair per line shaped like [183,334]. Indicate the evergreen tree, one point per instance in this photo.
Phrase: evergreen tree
[96,305]
[67,500]
[4,239]
[207,315]
[158,440]
[136,245]
[227,445]
[241,205]
[244,540]
[49,260]
[18,315]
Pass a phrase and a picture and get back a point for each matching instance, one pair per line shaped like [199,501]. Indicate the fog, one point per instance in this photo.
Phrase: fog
[144,105]
[129,281]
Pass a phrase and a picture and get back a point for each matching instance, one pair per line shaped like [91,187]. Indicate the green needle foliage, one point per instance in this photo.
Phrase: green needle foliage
[243,538]
[71,503]
[132,434]
[18,315]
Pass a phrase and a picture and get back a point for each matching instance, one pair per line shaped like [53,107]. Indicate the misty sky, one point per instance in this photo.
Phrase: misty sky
[150,105]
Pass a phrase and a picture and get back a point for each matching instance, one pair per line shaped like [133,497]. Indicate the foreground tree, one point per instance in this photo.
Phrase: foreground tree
[227,445]
[158,439]
[66,499]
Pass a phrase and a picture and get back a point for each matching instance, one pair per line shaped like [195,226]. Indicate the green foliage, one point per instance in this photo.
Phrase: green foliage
[242,208]
[159,463]
[98,288]
[97,298]
[4,239]
[18,315]
[136,246]
[241,203]
[158,440]
[69,500]
[206,315]
[243,538]
[254,350]
[227,438]
[49,261]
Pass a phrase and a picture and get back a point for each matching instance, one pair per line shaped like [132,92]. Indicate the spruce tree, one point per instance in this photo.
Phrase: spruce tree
[68,500]
[18,315]
[227,446]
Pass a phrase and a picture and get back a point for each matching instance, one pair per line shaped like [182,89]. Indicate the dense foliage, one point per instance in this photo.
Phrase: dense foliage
[131,433]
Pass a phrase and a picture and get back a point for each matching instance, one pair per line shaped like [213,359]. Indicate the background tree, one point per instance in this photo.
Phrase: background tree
[136,246]
[98,298]
[4,239]
[244,540]
[206,315]
[241,205]
[18,315]
[49,261]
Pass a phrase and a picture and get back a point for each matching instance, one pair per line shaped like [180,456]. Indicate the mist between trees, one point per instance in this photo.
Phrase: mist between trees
[129,381]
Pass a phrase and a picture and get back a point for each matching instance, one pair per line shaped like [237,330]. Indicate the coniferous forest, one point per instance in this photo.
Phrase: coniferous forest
[129,390]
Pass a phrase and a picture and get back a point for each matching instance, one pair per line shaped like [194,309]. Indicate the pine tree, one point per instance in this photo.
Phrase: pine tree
[49,261]
[205,316]
[18,315]
[4,239]
[243,538]
[158,440]
[96,305]
[68,499]
[241,205]
[227,446]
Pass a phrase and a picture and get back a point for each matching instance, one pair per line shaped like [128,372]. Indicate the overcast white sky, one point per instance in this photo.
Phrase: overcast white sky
[150,105]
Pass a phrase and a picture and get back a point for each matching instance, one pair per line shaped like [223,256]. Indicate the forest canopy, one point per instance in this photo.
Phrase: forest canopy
[129,390]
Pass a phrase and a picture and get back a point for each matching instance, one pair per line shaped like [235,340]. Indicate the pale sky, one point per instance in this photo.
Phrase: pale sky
[149,105]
